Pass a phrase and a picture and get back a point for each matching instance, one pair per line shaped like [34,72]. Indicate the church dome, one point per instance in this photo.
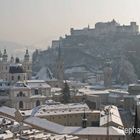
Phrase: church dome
[16,68]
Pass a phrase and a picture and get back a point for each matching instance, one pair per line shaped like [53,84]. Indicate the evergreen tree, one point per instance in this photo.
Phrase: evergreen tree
[66,93]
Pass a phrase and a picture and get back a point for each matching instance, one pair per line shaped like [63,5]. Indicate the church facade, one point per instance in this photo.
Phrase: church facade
[15,70]
[21,92]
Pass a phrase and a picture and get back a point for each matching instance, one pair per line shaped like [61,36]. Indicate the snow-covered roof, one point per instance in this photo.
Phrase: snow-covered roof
[44,74]
[7,135]
[37,83]
[44,124]
[119,91]
[60,129]
[55,89]
[76,69]
[31,84]
[7,110]
[91,91]
[59,109]
[114,116]
[99,131]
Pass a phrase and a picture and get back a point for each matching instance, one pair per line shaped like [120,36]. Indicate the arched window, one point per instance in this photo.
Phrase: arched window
[20,94]
[37,103]
[12,77]
[36,91]
[18,77]
[21,105]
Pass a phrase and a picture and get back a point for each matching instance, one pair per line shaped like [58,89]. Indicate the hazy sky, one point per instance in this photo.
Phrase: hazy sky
[37,21]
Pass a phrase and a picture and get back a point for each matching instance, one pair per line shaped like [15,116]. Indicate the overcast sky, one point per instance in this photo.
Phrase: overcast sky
[37,21]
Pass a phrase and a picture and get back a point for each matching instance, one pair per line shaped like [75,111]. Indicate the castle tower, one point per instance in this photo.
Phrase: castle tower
[5,56]
[108,75]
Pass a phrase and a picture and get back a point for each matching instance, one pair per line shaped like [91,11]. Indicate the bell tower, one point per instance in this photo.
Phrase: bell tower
[5,56]
[12,60]
[108,75]
[60,68]
[27,64]
[26,56]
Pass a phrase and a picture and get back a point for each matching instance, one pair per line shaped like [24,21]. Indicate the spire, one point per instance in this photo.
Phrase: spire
[0,54]
[12,59]
[59,51]
[84,120]
[5,52]
[60,67]
[27,53]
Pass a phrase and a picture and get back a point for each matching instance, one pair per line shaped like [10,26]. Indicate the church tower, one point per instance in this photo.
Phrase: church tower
[60,68]
[5,56]
[0,55]
[108,75]
[27,64]
[12,60]
[26,56]
[4,66]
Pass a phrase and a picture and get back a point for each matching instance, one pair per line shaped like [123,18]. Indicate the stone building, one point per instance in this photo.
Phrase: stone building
[20,91]
[29,94]
[103,28]
[69,114]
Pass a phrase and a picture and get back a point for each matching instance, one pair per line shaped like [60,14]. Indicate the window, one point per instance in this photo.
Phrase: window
[18,77]
[12,77]
[21,94]
[21,105]
[37,103]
